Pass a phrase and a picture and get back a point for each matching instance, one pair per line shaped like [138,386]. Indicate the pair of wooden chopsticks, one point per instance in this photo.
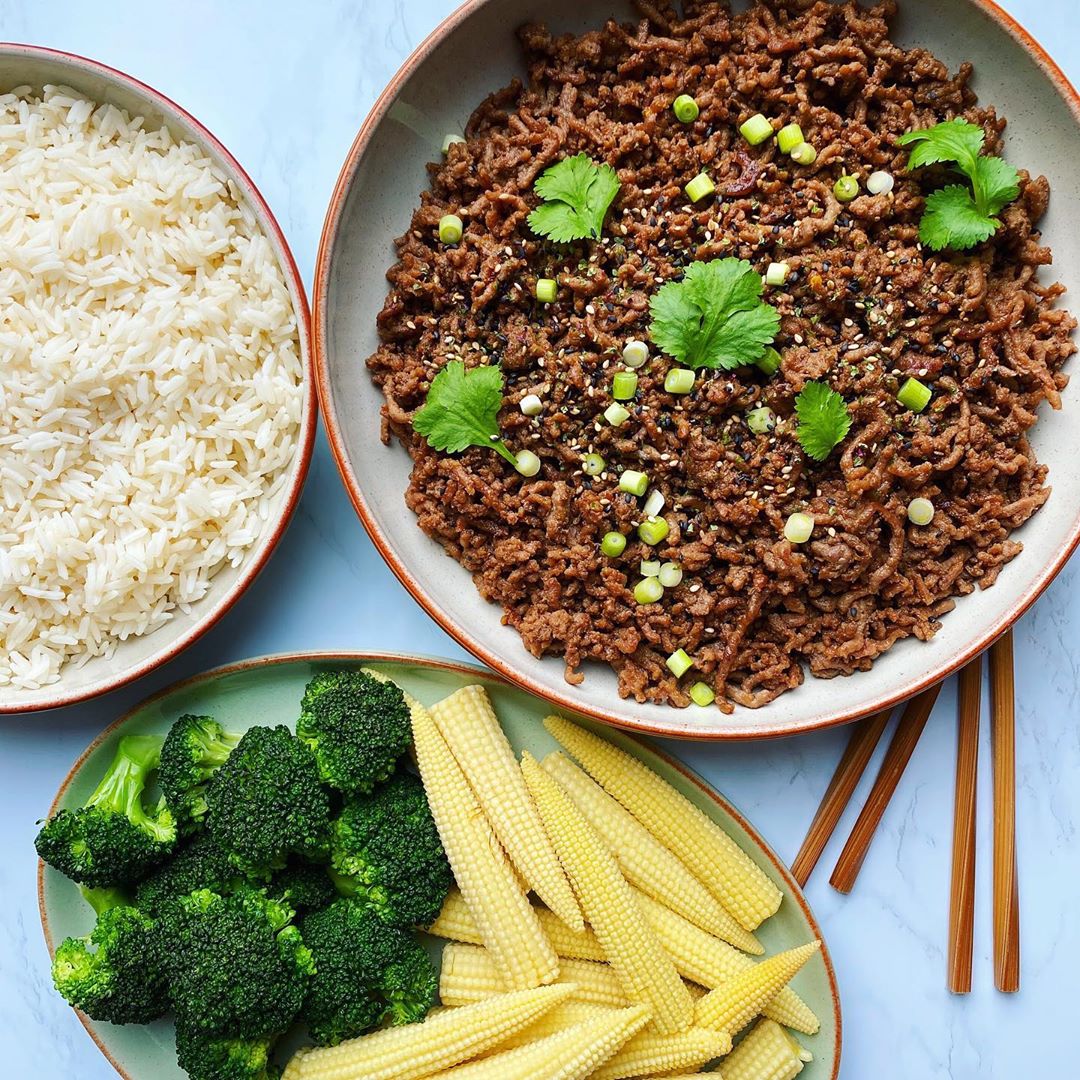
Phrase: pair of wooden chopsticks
[1006,891]
[860,749]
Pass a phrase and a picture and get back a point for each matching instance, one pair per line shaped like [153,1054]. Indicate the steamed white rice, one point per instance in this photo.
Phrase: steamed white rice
[150,380]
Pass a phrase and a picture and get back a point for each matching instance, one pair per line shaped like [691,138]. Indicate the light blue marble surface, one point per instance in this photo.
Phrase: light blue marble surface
[285,87]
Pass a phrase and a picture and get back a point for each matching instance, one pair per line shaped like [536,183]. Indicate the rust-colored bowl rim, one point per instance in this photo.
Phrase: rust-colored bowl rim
[466,670]
[57,697]
[461,633]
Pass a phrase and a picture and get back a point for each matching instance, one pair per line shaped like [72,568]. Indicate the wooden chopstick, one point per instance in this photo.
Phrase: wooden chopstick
[912,721]
[962,892]
[865,736]
[1003,747]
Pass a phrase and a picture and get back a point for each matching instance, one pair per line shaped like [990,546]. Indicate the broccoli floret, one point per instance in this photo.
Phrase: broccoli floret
[113,839]
[235,965]
[115,972]
[266,802]
[363,970]
[108,897]
[199,864]
[410,985]
[385,850]
[225,1058]
[357,726]
[195,748]
[303,885]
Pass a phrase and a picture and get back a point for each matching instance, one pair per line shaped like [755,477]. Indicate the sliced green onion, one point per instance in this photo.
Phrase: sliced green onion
[593,464]
[798,527]
[650,568]
[670,575]
[761,420]
[769,361]
[685,108]
[654,503]
[914,395]
[624,385]
[615,414]
[613,544]
[531,405]
[528,464]
[756,130]
[679,381]
[449,141]
[648,590]
[699,187]
[450,229]
[846,188]
[880,183]
[679,663]
[920,511]
[653,531]
[777,273]
[804,154]
[788,137]
[635,353]
[546,289]
[702,694]
[633,482]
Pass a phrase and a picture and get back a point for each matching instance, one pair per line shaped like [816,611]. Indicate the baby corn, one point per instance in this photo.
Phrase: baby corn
[567,1015]
[699,957]
[644,861]
[293,1069]
[571,1055]
[469,974]
[713,857]
[733,1004]
[440,1042]
[767,1053]
[455,922]
[506,920]
[472,731]
[645,971]
[647,1053]
[710,962]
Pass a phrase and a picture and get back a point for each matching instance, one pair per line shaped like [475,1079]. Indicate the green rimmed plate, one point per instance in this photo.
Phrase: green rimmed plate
[267,690]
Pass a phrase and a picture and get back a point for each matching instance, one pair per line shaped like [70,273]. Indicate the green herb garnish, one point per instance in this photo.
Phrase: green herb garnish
[714,317]
[462,410]
[577,193]
[823,419]
[956,216]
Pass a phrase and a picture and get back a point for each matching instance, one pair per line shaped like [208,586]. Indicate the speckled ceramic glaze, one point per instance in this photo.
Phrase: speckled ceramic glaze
[268,691]
[475,52]
[28,65]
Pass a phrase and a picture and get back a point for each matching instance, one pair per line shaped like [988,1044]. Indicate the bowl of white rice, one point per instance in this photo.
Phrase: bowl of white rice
[157,410]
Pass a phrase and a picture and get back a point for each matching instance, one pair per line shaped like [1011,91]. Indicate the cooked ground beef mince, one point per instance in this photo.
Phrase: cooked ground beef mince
[865,307]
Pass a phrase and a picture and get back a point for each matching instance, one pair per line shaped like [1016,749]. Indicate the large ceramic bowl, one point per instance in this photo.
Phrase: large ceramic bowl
[33,66]
[475,52]
[267,690]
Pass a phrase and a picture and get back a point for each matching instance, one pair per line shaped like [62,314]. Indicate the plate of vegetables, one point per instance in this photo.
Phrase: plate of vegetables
[356,865]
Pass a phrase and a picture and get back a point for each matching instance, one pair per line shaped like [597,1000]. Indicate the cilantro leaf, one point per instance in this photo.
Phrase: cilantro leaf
[953,140]
[462,410]
[823,419]
[955,217]
[952,219]
[995,183]
[714,317]
[577,193]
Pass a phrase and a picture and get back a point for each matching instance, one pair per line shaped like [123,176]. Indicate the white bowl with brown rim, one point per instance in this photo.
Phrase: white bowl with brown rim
[28,65]
[475,52]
